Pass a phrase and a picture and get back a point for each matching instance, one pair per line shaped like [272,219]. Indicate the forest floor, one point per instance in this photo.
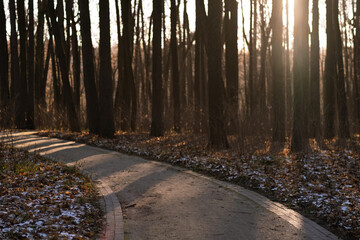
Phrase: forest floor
[41,199]
[323,183]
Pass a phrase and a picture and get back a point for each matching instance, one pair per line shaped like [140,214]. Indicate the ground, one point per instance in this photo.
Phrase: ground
[322,184]
[41,199]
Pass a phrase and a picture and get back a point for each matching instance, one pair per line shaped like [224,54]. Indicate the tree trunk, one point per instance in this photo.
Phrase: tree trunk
[4,61]
[105,84]
[277,74]
[340,80]
[76,56]
[218,137]
[265,33]
[157,125]
[92,102]
[39,58]
[127,88]
[330,73]
[68,98]
[315,125]
[20,118]
[301,74]
[30,77]
[198,58]
[232,60]
[175,67]
[357,66]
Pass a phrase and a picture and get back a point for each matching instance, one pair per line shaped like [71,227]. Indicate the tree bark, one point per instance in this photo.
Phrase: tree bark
[340,80]
[127,88]
[157,125]
[218,137]
[39,58]
[4,61]
[105,84]
[20,117]
[175,67]
[301,74]
[277,74]
[30,77]
[330,73]
[232,60]
[315,125]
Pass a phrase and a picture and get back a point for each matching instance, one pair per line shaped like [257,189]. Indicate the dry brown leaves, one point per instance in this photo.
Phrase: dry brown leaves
[40,199]
[321,184]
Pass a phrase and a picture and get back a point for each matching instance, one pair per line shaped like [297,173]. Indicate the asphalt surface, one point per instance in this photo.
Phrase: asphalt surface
[159,201]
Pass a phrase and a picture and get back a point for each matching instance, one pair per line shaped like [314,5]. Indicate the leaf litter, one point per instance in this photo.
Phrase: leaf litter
[321,184]
[41,199]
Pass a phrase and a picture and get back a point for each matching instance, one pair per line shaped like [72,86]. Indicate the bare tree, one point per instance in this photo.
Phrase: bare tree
[105,84]
[301,74]
[175,67]
[4,61]
[277,73]
[314,126]
[218,137]
[157,125]
[92,102]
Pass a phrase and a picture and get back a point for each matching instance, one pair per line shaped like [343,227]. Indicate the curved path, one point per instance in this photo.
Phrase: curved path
[160,201]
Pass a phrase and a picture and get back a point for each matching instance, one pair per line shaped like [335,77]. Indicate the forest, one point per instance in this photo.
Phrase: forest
[245,91]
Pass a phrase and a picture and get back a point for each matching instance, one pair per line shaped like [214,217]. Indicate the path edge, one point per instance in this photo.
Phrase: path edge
[114,223]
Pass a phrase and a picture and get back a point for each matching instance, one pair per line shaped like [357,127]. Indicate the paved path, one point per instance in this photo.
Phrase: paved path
[164,202]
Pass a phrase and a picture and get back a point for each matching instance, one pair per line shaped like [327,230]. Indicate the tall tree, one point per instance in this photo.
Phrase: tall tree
[231,57]
[39,57]
[75,55]
[218,137]
[128,81]
[357,65]
[314,125]
[301,74]
[59,47]
[105,84]
[277,73]
[20,116]
[252,56]
[30,76]
[175,67]
[4,60]
[92,102]
[330,73]
[157,125]
[340,80]
[15,76]
[265,35]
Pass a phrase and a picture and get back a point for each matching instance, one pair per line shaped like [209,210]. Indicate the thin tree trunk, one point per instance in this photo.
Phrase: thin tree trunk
[20,117]
[232,60]
[105,84]
[330,74]
[340,80]
[76,57]
[218,137]
[277,74]
[30,77]
[92,102]
[157,125]
[4,61]
[175,67]
[301,74]
[315,125]
[39,58]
